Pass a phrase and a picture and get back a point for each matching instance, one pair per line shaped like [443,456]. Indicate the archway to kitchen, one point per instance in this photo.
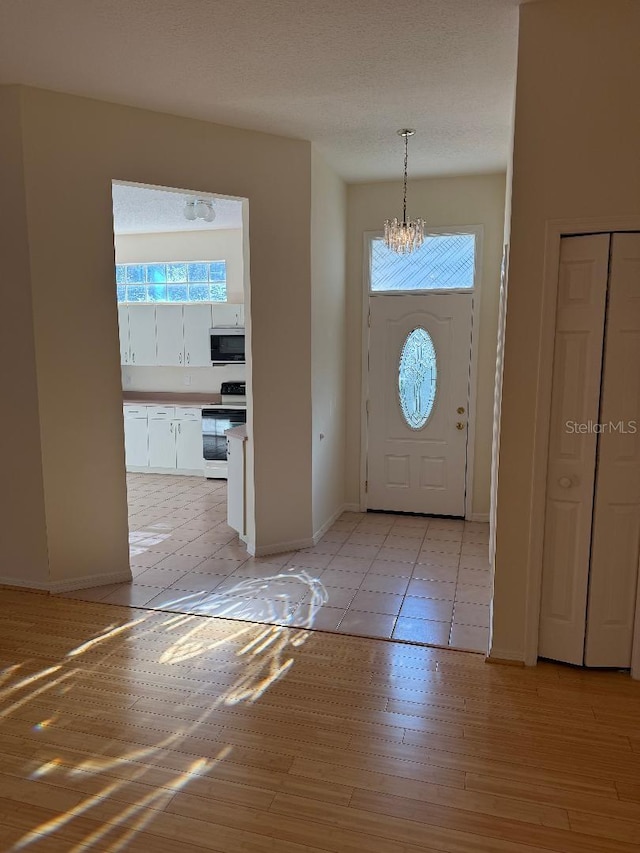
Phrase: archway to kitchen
[181,263]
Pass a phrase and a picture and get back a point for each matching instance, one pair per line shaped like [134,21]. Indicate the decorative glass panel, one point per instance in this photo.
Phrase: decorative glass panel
[177,293]
[443,262]
[157,292]
[176,272]
[120,274]
[219,292]
[417,378]
[156,273]
[198,293]
[120,292]
[218,271]
[136,293]
[135,273]
[198,272]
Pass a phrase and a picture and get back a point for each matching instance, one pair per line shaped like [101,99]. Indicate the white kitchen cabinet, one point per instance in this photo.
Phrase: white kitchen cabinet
[228,314]
[189,444]
[142,335]
[197,321]
[136,437]
[162,441]
[123,331]
[236,484]
[170,336]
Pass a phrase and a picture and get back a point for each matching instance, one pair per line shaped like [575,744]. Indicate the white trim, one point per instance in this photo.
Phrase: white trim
[475,292]
[280,547]
[483,517]
[352,507]
[85,582]
[502,654]
[554,231]
[182,472]
[317,536]
[24,584]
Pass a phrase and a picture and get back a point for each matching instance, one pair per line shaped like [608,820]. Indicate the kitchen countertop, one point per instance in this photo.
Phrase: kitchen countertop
[237,432]
[169,398]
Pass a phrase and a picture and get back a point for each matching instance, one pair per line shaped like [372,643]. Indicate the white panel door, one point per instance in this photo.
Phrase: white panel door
[136,442]
[580,318]
[189,444]
[169,336]
[142,334]
[616,521]
[162,443]
[123,331]
[197,323]
[417,463]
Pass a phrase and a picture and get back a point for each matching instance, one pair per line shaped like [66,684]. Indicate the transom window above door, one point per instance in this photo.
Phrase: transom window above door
[443,262]
[178,281]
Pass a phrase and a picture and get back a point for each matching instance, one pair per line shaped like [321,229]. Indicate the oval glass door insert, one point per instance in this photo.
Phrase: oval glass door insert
[417,378]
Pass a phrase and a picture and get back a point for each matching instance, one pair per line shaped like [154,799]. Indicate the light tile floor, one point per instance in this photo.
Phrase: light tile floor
[407,578]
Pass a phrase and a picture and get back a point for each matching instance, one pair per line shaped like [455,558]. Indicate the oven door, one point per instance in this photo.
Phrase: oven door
[227,346]
[215,422]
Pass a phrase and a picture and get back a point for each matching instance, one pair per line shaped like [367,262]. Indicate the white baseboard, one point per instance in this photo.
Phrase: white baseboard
[355,507]
[90,580]
[25,584]
[282,547]
[479,516]
[505,655]
[317,536]
[71,584]
[181,472]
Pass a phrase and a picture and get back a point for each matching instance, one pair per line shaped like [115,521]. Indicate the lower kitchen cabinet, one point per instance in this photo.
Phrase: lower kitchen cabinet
[165,439]
[136,441]
[236,515]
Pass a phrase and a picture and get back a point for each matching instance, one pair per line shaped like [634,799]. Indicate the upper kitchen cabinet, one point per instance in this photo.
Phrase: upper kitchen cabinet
[169,336]
[228,314]
[197,322]
[137,328]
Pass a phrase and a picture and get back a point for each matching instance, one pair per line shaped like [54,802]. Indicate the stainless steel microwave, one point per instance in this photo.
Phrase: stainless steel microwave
[227,345]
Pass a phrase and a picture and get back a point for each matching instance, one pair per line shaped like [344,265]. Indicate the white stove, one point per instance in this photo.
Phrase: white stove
[217,418]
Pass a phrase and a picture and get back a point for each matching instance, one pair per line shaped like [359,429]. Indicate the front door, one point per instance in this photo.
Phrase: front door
[418,392]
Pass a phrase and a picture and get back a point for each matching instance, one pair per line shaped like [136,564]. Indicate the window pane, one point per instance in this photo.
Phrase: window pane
[197,272]
[198,293]
[177,293]
[218,293]
[218,271]
[443,261]
[176,272]
[136,293]
[134,273]
[121,292]
[417,376]
[157,292]
[120,274]
[156,273]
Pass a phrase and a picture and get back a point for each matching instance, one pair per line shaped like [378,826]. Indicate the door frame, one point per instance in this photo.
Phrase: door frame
[555,230]
[475,295]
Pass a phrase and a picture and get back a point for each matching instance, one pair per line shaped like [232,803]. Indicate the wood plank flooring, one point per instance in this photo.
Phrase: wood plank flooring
[150,732]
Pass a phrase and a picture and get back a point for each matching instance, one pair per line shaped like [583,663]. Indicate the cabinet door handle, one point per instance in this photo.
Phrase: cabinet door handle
[133,357]
[180,357]
[179,427]
[188,358]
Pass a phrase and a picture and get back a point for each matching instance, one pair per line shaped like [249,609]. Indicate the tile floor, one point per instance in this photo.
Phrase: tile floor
[407,578]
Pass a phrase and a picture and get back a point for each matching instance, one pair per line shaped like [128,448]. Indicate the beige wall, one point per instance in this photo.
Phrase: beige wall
[577,129]
[215,244]
[73,148]
[477,200]
[328,300]
[23,541]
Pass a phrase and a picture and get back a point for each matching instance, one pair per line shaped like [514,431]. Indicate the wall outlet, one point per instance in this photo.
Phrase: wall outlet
[186,379]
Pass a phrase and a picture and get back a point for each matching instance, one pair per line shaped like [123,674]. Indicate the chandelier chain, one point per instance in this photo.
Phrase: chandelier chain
[406,163]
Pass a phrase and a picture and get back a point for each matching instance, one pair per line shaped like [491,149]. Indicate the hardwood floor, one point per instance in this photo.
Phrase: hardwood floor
[143,731]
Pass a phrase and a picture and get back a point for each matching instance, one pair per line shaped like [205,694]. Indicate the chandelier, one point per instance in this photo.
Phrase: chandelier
[406,235]
[199,208]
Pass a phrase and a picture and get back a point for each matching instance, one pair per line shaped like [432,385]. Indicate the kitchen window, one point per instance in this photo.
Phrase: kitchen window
[178,281]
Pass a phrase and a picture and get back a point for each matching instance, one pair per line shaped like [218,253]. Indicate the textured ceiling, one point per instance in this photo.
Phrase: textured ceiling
[138,210]
[342,73]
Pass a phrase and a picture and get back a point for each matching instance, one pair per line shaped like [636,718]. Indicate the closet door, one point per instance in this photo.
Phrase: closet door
[582,290]
[616,521]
